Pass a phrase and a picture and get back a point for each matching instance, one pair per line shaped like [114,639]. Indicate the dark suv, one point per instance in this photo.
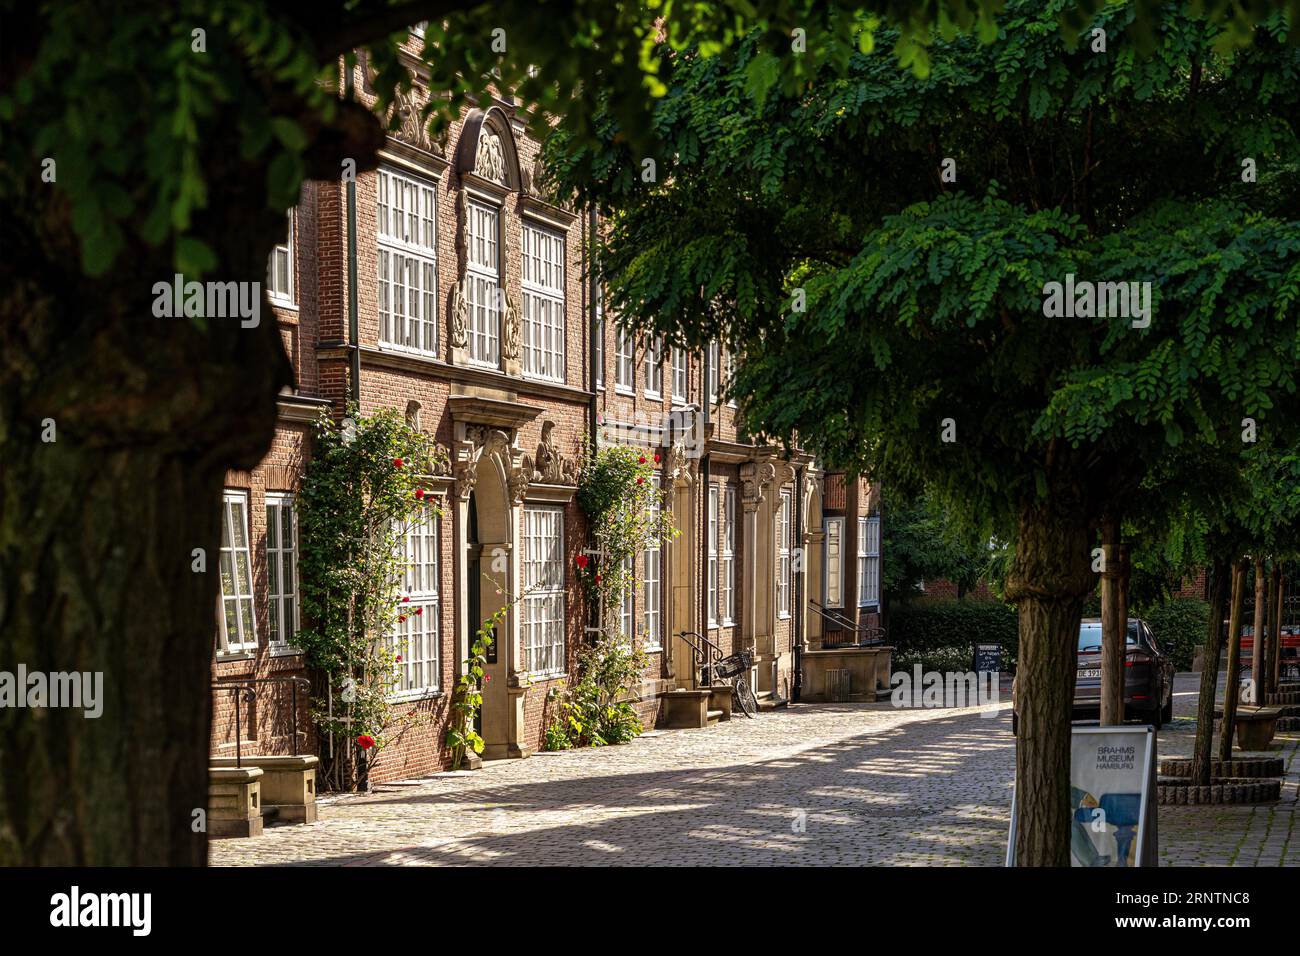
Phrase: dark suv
[1148,676]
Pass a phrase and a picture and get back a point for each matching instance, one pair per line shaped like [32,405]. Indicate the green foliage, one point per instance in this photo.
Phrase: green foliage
[364,485]
[467,698]
[925,299]
[1180,625]
[136,126]
[945,633]
[921,541]
[626,513]
[594,712]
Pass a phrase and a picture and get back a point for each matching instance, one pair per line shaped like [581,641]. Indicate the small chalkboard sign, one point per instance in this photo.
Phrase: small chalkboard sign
[988,658]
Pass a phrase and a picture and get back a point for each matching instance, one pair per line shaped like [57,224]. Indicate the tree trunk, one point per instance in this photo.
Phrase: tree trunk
[1275,645]
[1113,625]
[1259,657]
[98,536]
[1220,576]
[1049,578]
[1234,660]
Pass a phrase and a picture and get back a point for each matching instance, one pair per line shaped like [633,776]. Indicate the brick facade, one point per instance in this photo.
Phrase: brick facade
[499,427]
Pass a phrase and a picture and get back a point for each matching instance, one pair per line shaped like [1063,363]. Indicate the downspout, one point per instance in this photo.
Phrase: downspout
[797,639]
[354,334]
[594,330]
[707,405]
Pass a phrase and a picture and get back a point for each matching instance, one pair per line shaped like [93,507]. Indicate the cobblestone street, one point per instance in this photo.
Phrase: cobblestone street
[817,784]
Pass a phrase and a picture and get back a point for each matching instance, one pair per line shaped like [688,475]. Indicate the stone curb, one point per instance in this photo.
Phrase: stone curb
[1225,790]
[1245,765]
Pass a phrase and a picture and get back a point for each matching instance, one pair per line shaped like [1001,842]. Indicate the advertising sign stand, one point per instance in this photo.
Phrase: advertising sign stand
[1112,798]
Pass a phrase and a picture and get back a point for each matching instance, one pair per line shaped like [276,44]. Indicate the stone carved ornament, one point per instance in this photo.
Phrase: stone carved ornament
[481,441]
[512,336]
[490,160]
[551,467]
[412,128]
[754,479]
[459,330]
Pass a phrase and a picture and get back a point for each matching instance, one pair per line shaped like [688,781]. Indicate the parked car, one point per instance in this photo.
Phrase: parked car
[1148,676]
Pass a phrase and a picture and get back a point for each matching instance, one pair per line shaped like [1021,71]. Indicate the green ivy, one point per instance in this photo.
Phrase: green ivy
[368,478]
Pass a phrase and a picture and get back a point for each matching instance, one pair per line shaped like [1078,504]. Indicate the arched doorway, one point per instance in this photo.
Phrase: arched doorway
[488,547]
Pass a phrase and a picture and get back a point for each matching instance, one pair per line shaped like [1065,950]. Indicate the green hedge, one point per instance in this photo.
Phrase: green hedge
[1179,626]
[941,635]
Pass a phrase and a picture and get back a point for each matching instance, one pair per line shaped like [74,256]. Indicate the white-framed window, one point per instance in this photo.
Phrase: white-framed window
[543,317]
[869,561]
[624,360]
[679,375]
[654,367]
[237,625]
[715,372]
[415,637]
[627,609]
[406,232]
[727,593]
[281,569]
[652,578]
[598,356]
[728,369]
[834,563]
[713,555]
[543,566]
[280,269]
[783,537]
[483,283]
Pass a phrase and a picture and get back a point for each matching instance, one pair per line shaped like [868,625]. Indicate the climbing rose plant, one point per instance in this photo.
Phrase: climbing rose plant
[368,481]
[627,514]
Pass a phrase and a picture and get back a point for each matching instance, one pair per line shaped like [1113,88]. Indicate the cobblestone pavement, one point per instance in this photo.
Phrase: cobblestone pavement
[823,784]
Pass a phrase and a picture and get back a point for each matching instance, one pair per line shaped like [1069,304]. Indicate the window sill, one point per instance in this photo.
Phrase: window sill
[622,390]
[415,696]
[277,303]
[657,396]
[284,650]
[532,377]
[239,655]
[407,350]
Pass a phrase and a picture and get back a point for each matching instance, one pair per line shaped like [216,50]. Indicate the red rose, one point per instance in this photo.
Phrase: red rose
[406,600]
[598,579]
[487,677]
[581,561]
[419,492]
[397,463]
[398,658]
[641,459]
[656,458]
[640,481]
[402,619]
[365,741]
[419,611]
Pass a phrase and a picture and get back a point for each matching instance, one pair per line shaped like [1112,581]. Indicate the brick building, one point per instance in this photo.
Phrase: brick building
[475,317]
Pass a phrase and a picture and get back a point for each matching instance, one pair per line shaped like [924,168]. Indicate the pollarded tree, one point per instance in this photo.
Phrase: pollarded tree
[883,250]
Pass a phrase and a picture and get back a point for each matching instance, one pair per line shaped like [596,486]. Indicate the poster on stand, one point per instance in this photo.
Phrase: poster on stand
[1112,798]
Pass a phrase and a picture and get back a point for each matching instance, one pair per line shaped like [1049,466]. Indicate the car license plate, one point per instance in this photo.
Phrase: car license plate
[1090,672]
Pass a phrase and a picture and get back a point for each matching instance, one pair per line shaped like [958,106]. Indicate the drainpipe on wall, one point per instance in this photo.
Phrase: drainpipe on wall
[707,405]
[354,335]
[594,325]
[797,640]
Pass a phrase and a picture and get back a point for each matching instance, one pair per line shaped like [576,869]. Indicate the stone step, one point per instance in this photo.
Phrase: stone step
[767,702]
[714,716]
